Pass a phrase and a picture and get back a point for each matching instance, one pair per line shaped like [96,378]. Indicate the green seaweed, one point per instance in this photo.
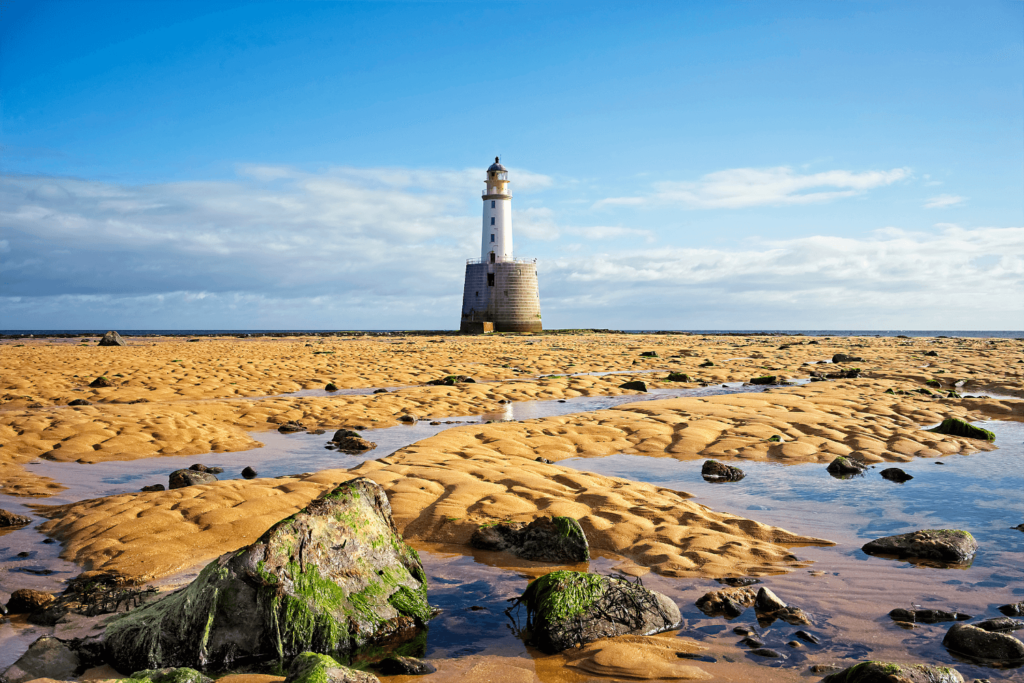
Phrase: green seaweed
[562,595]
[954,426]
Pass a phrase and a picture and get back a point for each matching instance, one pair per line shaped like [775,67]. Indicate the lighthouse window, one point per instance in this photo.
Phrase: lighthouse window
[492,203]
[490,279]
[492,238]
[492,220]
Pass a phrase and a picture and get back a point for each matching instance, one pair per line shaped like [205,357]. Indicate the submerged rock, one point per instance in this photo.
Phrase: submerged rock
[954,426]
[406,666]
[179,479]
[547,539]
[712,470]
[112,338]
[310,667]
[843,466]
[977,643]
[926,616]
[944,545]
[46,658]
[1000,625]
[8,519]
[728,602]
[887,672]
[332,578]
[895,474]
[635,385]
[565,609]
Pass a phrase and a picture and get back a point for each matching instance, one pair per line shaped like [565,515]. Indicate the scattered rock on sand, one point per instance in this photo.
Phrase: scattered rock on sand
[406,666]
[648,354]
[846,358]
[350,582]
[954,426]
[728,602]
[977,643]
[407,418]
[807,637]
[291,427]
[10,519]
[714,471]
[209,470]
[380,391]
[565,609]
[546,539]
[101,382]
[635,385]
[331,386]
[679,377]
[845,467]
[179,479]
[46,658]
[79,402]
[152,488]
[926,616]
[764,379]
[944,545]
[112,339]
[27,601]
[249,472]
[767,652]
[887,672]
[895,474]
[310,667]
[770,607]
[1000,625]
[180,675]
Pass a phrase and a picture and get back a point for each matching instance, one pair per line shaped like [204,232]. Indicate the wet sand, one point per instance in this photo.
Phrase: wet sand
[205,397]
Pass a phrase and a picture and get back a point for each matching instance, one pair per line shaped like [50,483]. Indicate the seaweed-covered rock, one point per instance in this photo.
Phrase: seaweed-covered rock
[565,609]
[101,382]
[111,338]
[954,426]
[45,658]
[26,601]
[332,578]
[887,672]
[344,433]
[846,358]
[764,379]
[310,667]
[977,643]
[546,539]
[11,519]
[945,545]
[895,474]
[714,471]
[845,467]
[180,675]
[179,479]
[679,377]
[354,444]
[635,385]
[926,616]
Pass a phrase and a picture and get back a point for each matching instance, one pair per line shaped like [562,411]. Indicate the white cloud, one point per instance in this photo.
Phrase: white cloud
[745,187]
[536,223]
[944,200]
[608,232]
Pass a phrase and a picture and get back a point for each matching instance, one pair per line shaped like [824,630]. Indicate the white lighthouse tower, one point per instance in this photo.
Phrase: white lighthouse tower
[501,292]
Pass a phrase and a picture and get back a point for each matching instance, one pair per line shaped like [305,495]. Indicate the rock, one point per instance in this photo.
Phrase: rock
[409,419]
[380,391]
[8,519]
[764,379]
[844,358]
[111,339]
[766,601]
[707,364]
[331,386]
[977,643]
[45,658]
[179,479]
[767,652]
[565,609]
[931,353]
[808,637]
[291,427]
[249,473]
[1000,625]
[26,601]
[769,607]
[824,668]
[716,471]
[895,474]
[1019,527]
[742,631]
[887,672]
[546,539]
[207,470]
[738,581]
[101,382]
[954,426]
[795,644]
[542,459]
[843,466]
[679,377]
[181,675]
[79,402]
[635,385]
[334,577]
[926,616]
[1013,610]
[752,641]
[310,667]
[345,433]
[728,602]
[648,354]
[354,444]
[406,666]
[944,545]
[153,487]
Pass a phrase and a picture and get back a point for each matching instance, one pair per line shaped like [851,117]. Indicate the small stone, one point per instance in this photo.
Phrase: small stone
[208,470]
[649,354]
[764,379]
[10,519]
[249,472]
[543,460]
[101,382]
[742,631]
[1013,610]
[406,666]
[291,427]
[380,391]
[331,386]
[843,466]
[714,471]
[768,602]
[354,444]
[751,641]
[824,668]
[845,358]
[767,652]
[809,637]
[794,644]
[895,474]
[408,419]
[926,616]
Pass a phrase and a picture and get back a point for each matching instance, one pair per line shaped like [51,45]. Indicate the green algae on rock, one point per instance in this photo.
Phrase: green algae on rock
[180,675]
[311,667]
[888,672]
[954,426]
[546,539]
[332,579]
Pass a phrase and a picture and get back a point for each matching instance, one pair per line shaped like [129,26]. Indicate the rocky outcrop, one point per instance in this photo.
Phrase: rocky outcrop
[547,539]
[112,338]
[926,616]
[945,545]
[179,479]
[954,426]
[27,601]
[8,519]
[770,607]
[334,577]
[845,467]
[311,667]
[728,602]
[635,385]
[45,658]
[888,672]
[714,471]
[976,643]
[565,609]
[846,358]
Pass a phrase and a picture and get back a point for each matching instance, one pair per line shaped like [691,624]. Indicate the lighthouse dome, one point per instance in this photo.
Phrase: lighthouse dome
[496,166]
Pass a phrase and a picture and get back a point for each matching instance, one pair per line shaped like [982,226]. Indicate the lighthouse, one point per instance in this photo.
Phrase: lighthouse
[501,292]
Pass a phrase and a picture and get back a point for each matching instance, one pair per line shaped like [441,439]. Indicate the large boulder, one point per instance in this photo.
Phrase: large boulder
[565,609]
[945,545]
[179,479]
[310,667]
[977,643]
[112,339]
[888,672]
[954,426]
[332,578]
[547,539]
[46,658]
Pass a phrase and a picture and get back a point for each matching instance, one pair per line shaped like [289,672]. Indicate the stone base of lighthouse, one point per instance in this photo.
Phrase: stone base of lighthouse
[504,294]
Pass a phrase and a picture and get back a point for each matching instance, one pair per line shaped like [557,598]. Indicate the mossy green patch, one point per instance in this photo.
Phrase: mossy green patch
[954,426]
[562,595]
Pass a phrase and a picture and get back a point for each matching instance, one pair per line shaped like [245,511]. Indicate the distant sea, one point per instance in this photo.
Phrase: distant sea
[1001,334]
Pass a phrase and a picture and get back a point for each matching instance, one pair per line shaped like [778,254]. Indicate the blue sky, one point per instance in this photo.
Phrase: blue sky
[676,165]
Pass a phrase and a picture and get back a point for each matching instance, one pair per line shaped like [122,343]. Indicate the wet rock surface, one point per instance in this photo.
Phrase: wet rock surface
[843,466]
[547,539]
[888,672]
[944,545]
[895,474]
[46,658]
[846,358]
[27,601]
[714,471]
[291,427]
[926,616]
[1015,609]
[353,444]
[1000,625]
[153,487]
[770,607]
[565,609]
[334,577]
[112,338]
[728,602]
[249,472]
[405,666]
[179,675]
[9,519]
[635,385]
[311,667]
[978,644]
[181,478]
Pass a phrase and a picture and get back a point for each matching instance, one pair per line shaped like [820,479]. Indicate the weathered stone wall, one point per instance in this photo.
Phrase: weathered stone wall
[512,303]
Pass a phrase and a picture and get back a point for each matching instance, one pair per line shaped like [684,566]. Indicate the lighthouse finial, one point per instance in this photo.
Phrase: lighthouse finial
[495,159]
